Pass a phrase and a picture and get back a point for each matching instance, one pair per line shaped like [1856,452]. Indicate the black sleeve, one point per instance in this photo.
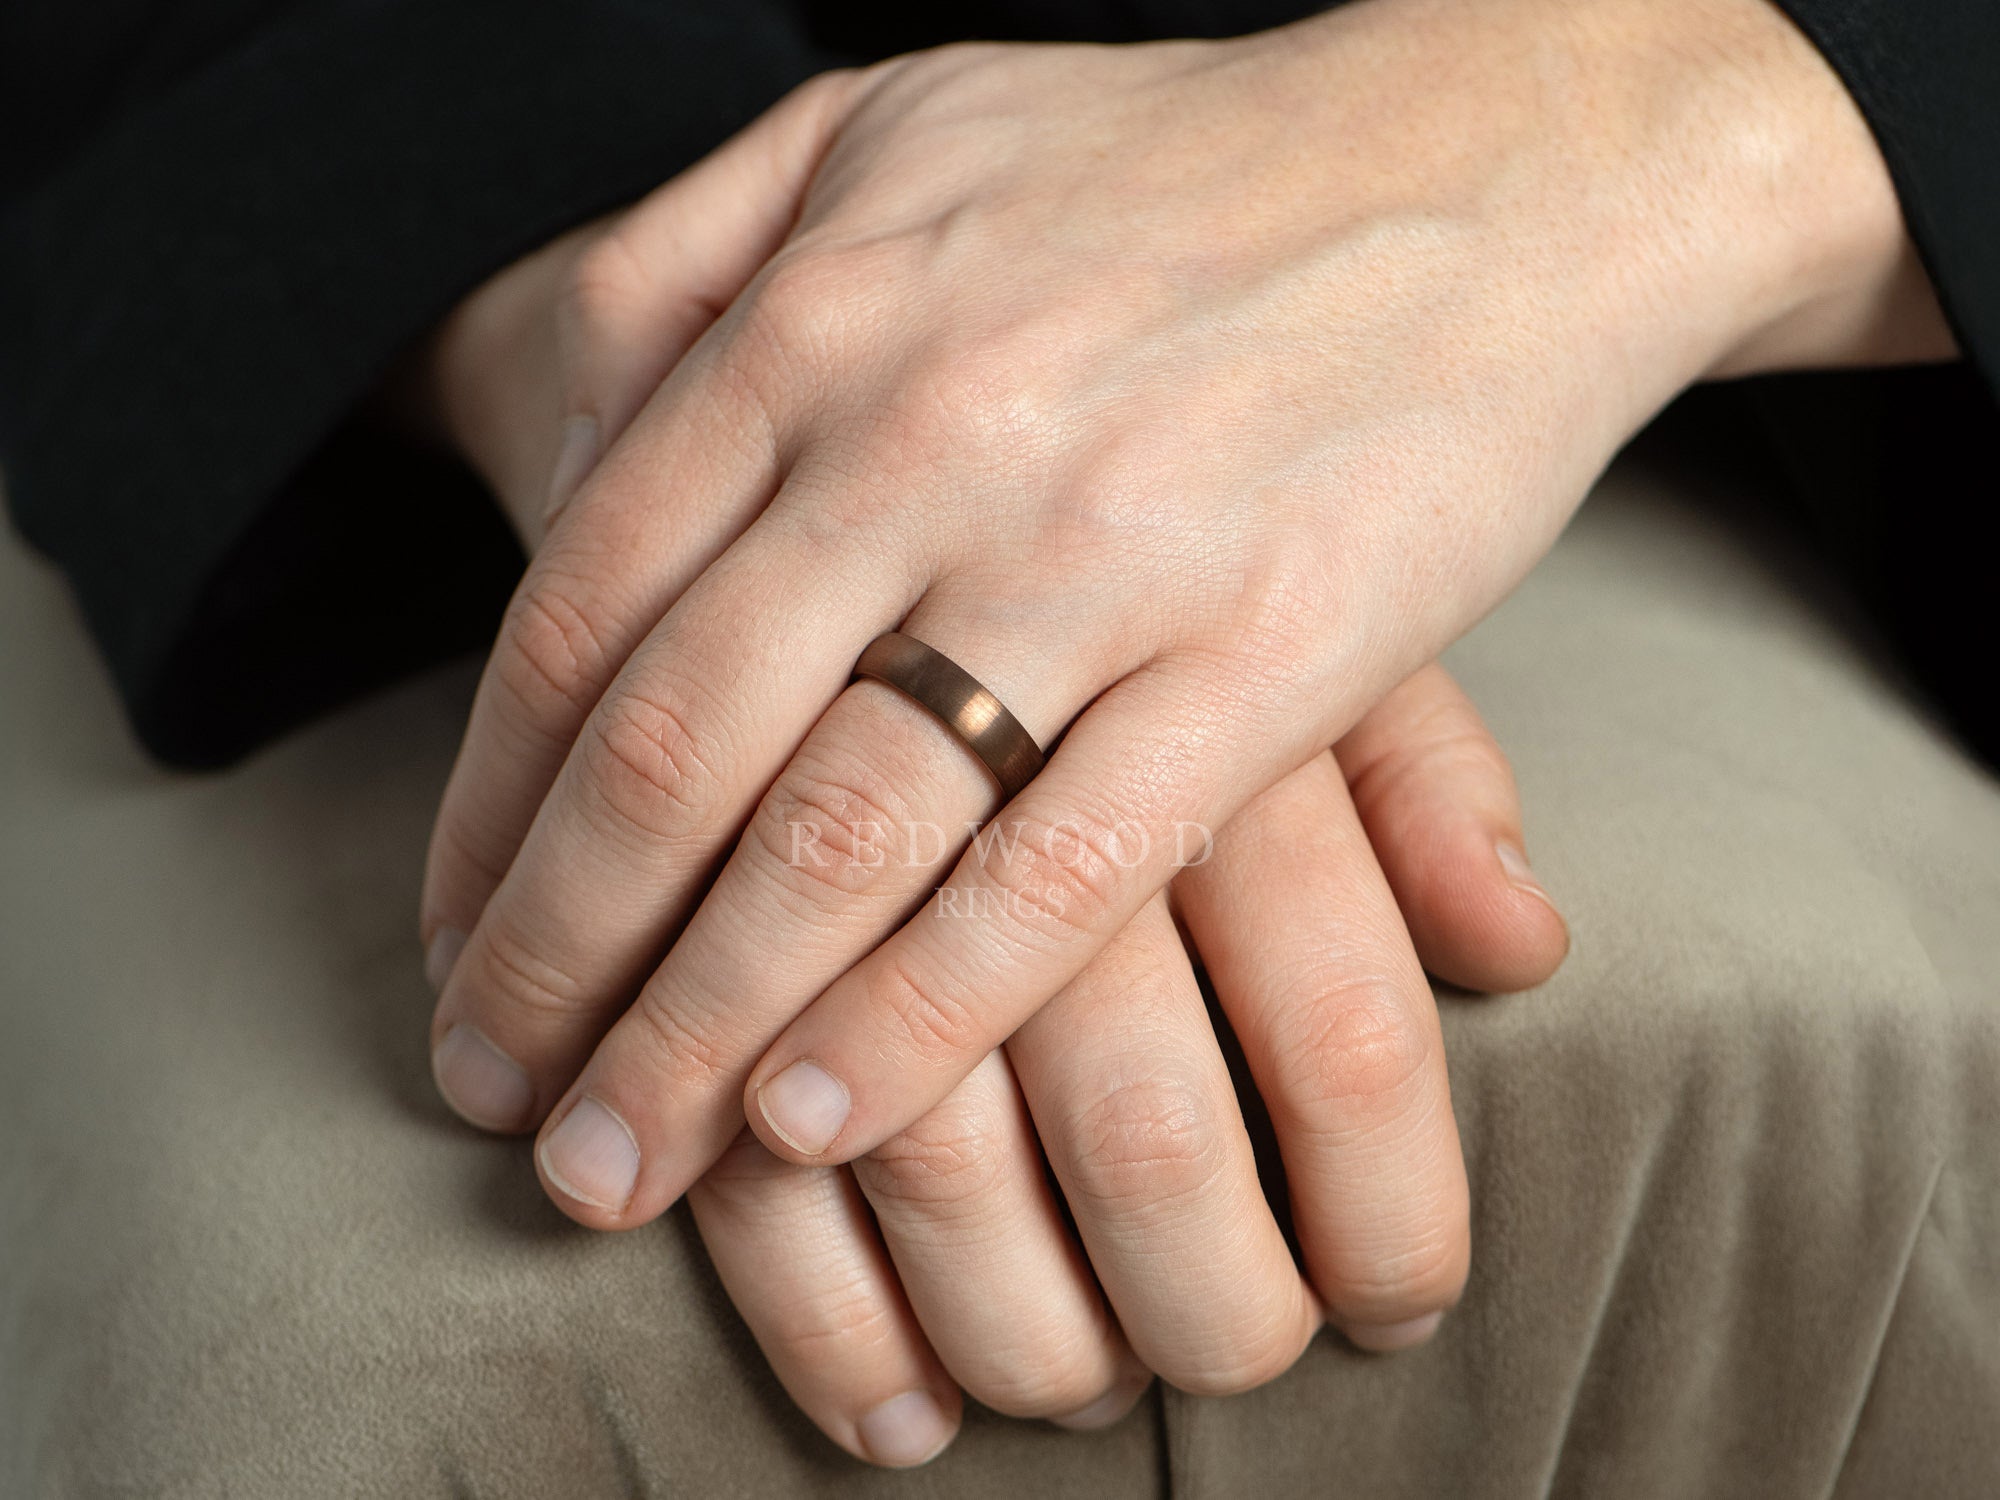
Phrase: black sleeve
[1926,74]
[222,222]
[1896,473]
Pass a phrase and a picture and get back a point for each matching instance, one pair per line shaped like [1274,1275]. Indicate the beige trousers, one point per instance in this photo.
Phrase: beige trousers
[1736,1171]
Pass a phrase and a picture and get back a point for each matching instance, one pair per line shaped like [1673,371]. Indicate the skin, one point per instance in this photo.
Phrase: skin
[940,1261]
[1192,395]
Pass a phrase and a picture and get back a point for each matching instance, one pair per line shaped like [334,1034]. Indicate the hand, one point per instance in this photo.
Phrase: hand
[981,1279]
[1220,439]
[941,1260]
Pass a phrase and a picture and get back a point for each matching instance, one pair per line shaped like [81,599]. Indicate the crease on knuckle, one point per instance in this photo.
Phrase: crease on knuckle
[647,766]
[685,1054]
[839,806]
[830,1325]
[1356,1043]
[949,1160]
[466,848]
[1144,1146]
[938,1029]
[553,655]
[1059,878]
[529,984]
[1461,755]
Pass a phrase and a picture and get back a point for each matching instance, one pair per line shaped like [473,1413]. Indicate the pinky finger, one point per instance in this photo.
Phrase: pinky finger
[798,1254]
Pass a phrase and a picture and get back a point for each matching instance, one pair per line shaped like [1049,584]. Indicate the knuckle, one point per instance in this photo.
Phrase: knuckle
[1275,602]
[1358,1042]
[647,765]
[1032,1378]
[605,281]
[947,83]
[831,821]
[831,1325]
[1242,1364]
[681,1054]
[552,655]
[950,1159]
[982,394]
[523,981]
[469,857]
[1144,1144]
[1066,876]
[1122,480]
[936,1027]
[806,297]
[1422,1276]
[1438,747]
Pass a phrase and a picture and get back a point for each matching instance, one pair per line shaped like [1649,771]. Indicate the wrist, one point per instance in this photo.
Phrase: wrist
[1692,179]
[1778,177]
[1850,287]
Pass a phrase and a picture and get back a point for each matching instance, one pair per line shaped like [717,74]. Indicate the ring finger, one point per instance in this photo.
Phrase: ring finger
[964,1205]
[851,837]
[1136,1110]
[799,1256]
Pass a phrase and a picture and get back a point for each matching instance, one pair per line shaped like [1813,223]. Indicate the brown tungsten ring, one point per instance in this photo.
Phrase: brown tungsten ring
[953,696]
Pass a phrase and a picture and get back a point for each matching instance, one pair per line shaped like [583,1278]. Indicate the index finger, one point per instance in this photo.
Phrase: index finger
[641,296]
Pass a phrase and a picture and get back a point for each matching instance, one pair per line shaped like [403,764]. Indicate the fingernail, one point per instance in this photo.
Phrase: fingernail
[806,1106]
[573,460]
[442,955]
[905,1430]
[592,1156]
[1387,1338]
[1106,1409]
[484,1084]
[1515,863]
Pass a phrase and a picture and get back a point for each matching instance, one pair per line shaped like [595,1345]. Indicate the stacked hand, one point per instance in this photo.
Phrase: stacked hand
[1192,396]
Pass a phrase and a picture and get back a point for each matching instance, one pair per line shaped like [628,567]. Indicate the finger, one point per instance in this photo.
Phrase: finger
[798,1255]
[1438,800]
[674,495]
[1313,967]
[851,836]
[1065,865]
[603,579]
[661,779]
[1135,1108]
[652,283]
[995,1277]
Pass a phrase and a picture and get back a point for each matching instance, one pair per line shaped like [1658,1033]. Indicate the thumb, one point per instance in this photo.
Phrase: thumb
[1437,796]
[651,283]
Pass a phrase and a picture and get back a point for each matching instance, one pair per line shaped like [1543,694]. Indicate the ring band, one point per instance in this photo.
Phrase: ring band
[953,696]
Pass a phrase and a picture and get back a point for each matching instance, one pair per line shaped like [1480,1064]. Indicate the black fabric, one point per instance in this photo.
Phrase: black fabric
[1926,74]
[221,220]
[207,274]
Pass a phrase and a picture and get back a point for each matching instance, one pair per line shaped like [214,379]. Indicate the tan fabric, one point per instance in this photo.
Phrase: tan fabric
[1736,1171]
